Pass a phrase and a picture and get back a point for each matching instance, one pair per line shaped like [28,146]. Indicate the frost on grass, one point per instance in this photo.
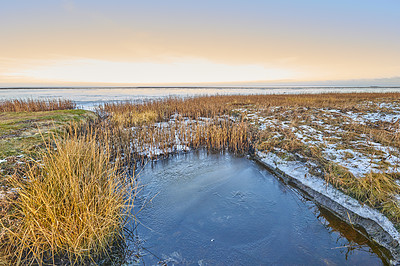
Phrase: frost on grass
[357,139]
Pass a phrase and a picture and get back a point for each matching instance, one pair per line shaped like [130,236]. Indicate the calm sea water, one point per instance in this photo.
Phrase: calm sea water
[89,97]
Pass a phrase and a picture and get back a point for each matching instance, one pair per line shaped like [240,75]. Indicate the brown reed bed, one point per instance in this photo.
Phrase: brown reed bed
[35,105]
[148,141]
[211,106]
[213,121]
[214,135]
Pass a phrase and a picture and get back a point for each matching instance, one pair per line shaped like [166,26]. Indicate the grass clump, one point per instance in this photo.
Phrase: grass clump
[128,119]
[35,105]
[70,206]
[378,190]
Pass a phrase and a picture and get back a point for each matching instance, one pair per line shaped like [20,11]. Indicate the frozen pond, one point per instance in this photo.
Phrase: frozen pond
[89,97]
[213,209]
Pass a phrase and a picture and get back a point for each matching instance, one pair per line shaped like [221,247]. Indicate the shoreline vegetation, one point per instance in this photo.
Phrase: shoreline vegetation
[350,141]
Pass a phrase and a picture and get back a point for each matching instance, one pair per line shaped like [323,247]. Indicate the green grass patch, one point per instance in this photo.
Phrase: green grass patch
[21,132]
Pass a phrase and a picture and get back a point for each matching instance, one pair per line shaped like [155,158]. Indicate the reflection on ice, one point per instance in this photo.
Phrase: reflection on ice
[219,209]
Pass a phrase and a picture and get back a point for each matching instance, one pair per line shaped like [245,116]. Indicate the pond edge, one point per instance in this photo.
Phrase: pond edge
[377,226]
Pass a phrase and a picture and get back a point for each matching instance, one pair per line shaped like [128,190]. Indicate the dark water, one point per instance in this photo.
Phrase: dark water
[222,210]
[87,98]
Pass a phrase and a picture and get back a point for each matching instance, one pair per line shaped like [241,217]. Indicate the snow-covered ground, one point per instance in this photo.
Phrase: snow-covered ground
[331,130]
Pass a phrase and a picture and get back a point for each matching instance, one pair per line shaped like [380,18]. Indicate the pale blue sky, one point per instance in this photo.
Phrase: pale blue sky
[274,40]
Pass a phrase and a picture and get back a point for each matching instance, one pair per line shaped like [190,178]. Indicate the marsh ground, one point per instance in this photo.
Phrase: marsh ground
[21,133]
[351,141]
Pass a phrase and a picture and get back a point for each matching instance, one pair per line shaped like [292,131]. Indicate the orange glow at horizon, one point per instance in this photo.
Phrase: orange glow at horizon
[183,70]
[155,42]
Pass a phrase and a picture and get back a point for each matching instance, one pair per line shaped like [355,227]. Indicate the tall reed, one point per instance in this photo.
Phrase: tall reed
[71,206]
[35,105]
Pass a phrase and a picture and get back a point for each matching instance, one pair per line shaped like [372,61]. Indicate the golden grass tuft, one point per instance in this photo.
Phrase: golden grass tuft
[128,119]
[70,206]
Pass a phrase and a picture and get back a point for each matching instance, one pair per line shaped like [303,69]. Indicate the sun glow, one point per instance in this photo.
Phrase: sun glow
[186,70]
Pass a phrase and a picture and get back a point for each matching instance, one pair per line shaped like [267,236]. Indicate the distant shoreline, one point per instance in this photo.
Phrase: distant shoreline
[202,87]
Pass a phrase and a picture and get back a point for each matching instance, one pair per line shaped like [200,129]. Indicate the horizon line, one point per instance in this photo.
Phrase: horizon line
[202,87]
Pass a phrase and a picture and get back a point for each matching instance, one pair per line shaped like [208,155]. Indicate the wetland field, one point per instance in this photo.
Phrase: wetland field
[239,179]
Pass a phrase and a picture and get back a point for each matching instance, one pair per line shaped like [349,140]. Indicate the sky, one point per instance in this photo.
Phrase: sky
[159,42]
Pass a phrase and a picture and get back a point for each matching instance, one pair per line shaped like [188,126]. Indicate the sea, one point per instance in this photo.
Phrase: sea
[90,97]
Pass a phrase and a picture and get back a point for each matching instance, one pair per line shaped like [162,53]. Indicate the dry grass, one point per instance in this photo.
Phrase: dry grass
[70,206]
[211,106]
[71,203]
[129,119]
[296,110]
[33,105]
[186,125]
[377,190]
